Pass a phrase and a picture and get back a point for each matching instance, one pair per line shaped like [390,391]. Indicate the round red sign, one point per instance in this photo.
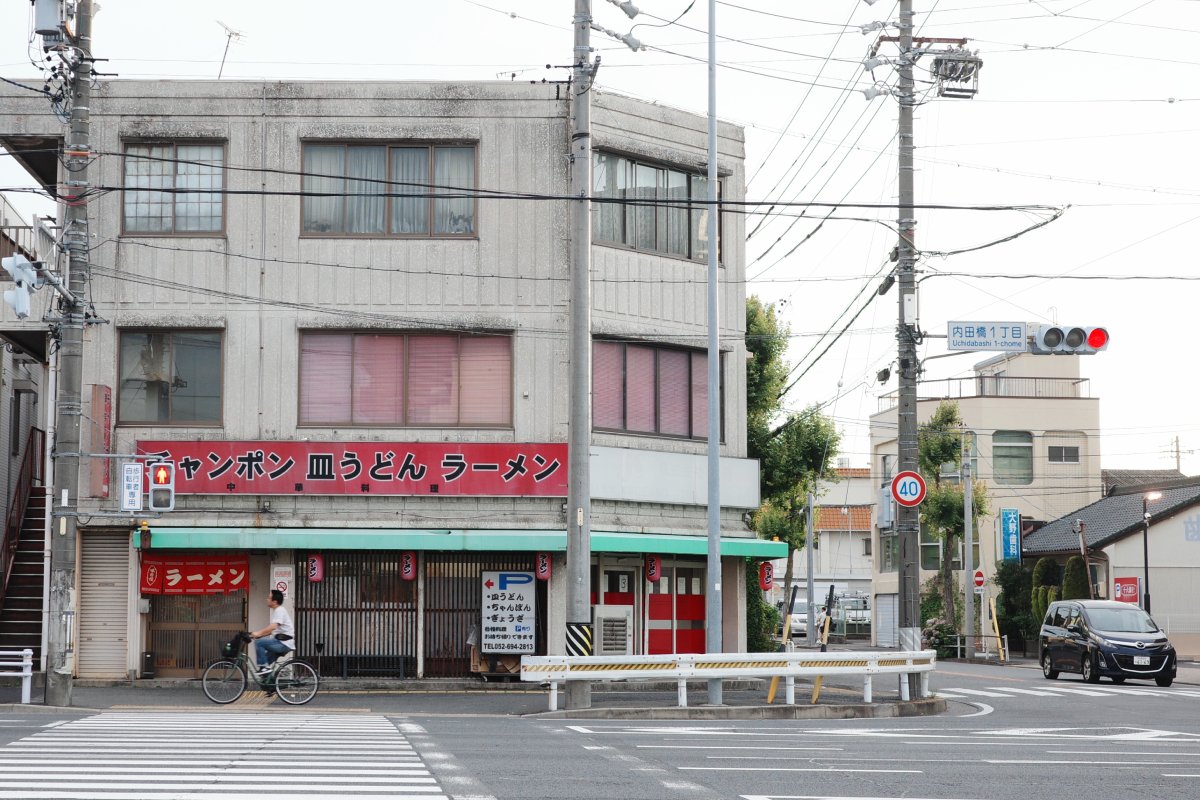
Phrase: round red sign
[979,579]
[908,488]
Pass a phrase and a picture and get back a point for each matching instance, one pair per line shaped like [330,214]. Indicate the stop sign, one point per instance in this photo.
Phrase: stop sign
[979,580]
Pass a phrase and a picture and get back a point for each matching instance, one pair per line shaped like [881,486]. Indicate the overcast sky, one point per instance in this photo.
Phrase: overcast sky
[1092,106]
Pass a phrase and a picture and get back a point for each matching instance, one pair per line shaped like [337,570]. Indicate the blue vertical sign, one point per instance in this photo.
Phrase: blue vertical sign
[1010,533]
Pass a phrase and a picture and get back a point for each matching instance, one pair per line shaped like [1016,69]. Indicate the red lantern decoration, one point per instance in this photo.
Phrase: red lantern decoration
[408,565]
[316,568]
[543,566]
[766,575]
[653,568]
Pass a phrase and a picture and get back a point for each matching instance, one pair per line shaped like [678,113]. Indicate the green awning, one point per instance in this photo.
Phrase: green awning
[163,538]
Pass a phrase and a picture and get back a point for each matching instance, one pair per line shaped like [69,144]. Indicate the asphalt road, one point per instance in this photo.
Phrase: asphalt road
[1008,734]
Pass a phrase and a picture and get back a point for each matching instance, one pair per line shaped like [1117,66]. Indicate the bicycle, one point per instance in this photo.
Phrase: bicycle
[224,681]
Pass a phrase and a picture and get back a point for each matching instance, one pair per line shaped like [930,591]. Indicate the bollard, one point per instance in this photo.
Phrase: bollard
[866,688]
[790,690]
[553,696]
[682,694]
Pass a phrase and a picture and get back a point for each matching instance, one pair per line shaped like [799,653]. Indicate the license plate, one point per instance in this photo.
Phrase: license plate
[1141,661]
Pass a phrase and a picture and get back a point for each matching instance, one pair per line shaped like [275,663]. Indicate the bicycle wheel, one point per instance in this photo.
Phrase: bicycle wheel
[224,682]
[296,683]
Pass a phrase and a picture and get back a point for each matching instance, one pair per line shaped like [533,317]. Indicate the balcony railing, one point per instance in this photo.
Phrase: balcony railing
[993,386]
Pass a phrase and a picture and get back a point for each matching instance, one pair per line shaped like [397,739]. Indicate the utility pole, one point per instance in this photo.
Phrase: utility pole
[60,664]
[579,499]
[809,540]
[969,558]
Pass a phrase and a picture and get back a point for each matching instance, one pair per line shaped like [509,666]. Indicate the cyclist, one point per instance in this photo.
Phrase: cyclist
[280,631]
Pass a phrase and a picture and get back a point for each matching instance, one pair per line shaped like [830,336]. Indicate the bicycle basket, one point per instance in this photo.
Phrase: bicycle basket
[234,646]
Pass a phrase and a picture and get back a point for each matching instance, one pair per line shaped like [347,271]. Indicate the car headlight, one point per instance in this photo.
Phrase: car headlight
[1100,640]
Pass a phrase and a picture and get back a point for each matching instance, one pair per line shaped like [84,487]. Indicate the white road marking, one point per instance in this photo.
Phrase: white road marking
[805,769]
[1033,692]
[727,747]
[823,797]
[977,692]
[682,786]
[984,710]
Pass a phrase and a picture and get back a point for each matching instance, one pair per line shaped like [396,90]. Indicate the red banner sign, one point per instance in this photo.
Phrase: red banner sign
[653,568]
[194,575]
[543,566]
[1127,590]
[365,468]
[408,565]
[766,576]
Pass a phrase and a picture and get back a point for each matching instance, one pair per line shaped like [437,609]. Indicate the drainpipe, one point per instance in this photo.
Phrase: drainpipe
[47,482]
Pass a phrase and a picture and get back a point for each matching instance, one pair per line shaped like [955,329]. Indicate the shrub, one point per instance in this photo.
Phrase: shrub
[1039,603]
[1015,604]
[940,635]
[1045,572]
[761,617]
[1075,579]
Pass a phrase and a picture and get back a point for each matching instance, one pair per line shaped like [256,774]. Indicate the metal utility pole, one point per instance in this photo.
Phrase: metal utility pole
[60,664]
[968,558]
[713,596]
[579,497]
[809,539]
[907,520]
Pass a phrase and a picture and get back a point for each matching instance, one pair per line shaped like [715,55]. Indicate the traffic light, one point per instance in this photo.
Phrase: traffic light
[162,486]
[1069,340]
[25,277]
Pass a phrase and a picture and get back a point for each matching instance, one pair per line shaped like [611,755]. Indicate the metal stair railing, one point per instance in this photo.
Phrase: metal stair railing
[32,471]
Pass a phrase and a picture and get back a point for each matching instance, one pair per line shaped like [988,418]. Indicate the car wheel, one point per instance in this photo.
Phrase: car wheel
[1090,673]
[1050,672]
[1164,680]
[1118,679]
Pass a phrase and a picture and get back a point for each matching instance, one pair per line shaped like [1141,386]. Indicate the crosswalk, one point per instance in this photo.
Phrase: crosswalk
[211,755]
[1056,690]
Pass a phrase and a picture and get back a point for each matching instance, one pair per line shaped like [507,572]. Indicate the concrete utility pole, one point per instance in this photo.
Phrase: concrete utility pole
[907,520]
[579,499]
[713,595]
[60,664]
[809,540]
[968,558]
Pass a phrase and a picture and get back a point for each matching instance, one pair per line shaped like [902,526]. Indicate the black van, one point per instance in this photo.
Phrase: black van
[1104,637]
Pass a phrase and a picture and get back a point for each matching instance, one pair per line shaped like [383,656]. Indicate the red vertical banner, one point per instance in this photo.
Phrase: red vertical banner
[542,566]
[766,576]
[653,568]
[315,567]
[408,565]
[100,434]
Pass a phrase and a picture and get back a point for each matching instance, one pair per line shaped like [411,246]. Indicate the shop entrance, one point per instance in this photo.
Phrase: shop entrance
[187,631]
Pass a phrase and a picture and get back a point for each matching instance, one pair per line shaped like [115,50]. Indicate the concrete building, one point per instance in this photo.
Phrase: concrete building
[342,310]
[1032,430]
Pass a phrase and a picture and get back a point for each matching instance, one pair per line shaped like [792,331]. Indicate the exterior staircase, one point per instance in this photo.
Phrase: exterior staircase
[21,612]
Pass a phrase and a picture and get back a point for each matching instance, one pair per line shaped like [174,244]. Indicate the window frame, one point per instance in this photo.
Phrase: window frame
[407,336]
[389,145]
[175,143]
[1050,459]
[169,423]
[1007,479]
[691,411]
[630,163]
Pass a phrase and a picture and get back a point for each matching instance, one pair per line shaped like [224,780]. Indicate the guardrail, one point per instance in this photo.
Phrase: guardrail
[699,666]
[23,661]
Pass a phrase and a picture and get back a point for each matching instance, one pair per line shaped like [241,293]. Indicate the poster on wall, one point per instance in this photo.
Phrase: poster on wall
[282,577]
[509,613]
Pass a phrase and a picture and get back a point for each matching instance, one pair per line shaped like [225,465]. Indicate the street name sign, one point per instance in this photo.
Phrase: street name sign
[1008,337]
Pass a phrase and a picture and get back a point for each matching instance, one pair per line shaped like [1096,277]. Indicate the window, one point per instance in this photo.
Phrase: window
[170,377]
[195,174]
[1012,457]
[1064,455]
[658,214]
[931,552]
[889,551]
[389,190]
[443,380]
[951,472]
[640,388]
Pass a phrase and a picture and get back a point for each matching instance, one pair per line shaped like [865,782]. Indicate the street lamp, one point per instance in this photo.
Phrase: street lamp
[1146,498]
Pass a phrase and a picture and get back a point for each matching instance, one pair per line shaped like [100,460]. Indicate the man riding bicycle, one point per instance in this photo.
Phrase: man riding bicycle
[280,631]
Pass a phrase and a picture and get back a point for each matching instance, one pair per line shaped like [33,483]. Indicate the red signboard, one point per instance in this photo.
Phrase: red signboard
[365,468]
[766,576]
[315,565]
[653,568]
[1127,590]
[543,566]
[408,565]
[193,575]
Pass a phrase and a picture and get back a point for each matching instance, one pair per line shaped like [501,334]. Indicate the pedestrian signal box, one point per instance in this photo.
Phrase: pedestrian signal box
[162,486]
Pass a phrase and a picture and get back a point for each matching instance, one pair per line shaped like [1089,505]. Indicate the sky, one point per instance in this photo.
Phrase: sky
[1087,109]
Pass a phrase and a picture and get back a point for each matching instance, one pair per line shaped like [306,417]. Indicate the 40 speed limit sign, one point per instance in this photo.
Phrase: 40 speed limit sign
[908,488]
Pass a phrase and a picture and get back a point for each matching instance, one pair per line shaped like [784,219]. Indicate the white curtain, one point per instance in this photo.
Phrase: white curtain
[365,202]
[410,175]
[324,166]
[454,173]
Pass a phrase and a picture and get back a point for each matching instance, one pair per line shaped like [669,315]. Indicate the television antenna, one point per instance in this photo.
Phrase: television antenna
[230,35]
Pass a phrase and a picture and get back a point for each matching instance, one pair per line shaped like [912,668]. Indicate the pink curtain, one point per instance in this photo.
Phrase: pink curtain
[433,380]
[485,370]
[699,395]
[325,378]
[608,385]
[378,379]
[640,385]
[673,393]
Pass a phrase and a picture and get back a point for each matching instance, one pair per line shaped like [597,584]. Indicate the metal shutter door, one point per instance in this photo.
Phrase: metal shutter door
[103,641]
[887,620]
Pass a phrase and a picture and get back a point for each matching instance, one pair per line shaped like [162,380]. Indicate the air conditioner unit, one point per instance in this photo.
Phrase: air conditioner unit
[614,630]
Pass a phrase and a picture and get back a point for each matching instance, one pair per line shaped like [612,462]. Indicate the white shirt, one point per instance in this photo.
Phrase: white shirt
[282,621]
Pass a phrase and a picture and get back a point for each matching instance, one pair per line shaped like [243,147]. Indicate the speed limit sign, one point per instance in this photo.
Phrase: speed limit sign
[908,488]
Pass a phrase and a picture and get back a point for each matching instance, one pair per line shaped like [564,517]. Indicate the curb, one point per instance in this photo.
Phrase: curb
[913,708]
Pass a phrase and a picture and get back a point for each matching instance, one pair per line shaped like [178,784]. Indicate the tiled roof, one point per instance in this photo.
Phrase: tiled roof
[854,472]
[1111,518]
[855,518]
[1112,478]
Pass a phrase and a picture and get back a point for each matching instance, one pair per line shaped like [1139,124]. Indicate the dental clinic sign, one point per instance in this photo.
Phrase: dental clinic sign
[509,613]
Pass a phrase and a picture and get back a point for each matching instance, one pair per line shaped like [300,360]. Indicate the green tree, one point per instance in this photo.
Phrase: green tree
[795,452]
[939,443]
[1075,580]
[1015,604]
[761,616]
[1045,572]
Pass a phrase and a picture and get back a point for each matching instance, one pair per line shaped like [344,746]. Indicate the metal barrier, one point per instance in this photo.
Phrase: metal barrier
[699,666]
[961,647]
[23,661]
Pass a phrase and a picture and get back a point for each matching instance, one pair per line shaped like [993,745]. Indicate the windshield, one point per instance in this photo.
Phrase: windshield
[1123,620]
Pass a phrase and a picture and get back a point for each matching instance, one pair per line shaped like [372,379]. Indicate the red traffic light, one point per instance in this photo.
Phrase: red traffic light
[162,474]
[1097,338]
